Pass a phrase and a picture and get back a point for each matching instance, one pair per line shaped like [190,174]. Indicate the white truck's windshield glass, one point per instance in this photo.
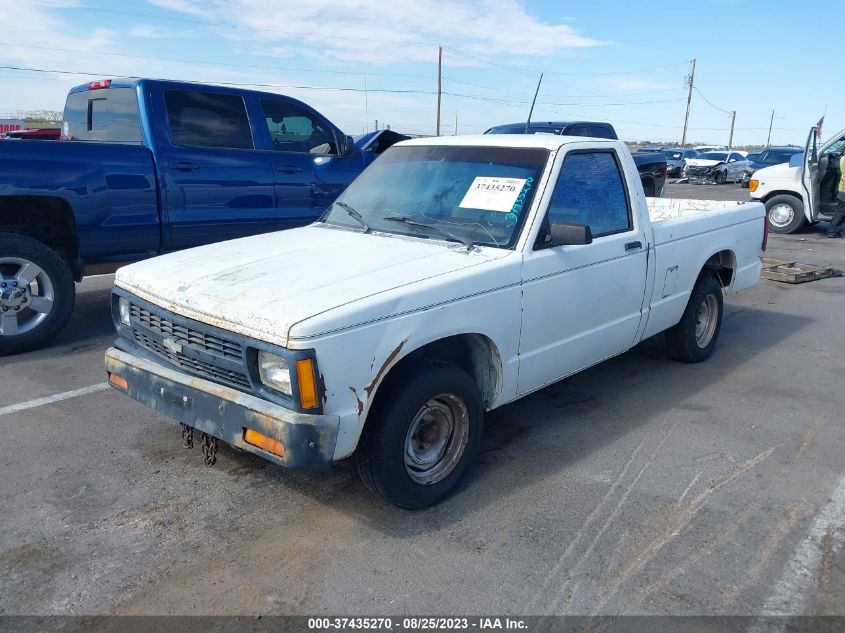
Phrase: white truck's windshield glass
[477,194]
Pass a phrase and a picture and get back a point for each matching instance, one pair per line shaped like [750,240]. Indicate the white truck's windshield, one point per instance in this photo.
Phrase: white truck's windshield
[477,195]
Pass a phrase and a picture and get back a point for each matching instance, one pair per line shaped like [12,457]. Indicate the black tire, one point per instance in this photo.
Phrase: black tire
[683,341]
[781,220]
[721,177]
[381,454]
[648,188]
[59,276]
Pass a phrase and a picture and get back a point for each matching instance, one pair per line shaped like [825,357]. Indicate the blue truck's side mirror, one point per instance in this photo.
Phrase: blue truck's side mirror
[346,146]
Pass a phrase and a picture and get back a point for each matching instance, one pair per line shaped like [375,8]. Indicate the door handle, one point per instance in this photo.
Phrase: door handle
[184,165]
[632,245]
[289,169]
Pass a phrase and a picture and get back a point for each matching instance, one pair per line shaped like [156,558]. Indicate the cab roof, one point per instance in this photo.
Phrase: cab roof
[542,141]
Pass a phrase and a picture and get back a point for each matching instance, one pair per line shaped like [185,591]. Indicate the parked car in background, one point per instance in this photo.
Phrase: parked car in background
[146,167]
[454,276]
[652,166]
[752,156]
[39,134]
[804,190]
[710,148]
[676,159]
[768,157]
[718,167]
[378,141]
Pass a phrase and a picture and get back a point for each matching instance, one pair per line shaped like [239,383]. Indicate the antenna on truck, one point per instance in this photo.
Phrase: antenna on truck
[531,111]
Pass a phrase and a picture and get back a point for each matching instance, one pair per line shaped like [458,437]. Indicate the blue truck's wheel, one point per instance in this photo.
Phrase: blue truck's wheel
[422,434]
[37,293]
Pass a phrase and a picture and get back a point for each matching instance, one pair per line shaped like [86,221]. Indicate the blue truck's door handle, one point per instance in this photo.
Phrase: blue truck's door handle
[632,245]
[185,166]
[289,169]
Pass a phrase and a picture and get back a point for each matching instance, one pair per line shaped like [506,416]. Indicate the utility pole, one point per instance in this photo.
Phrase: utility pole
[456,122]
[689,101]
[531,111]
[771,120]
[439,84]
[731,139]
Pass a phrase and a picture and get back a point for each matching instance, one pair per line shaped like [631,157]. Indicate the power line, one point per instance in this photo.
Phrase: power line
[209,63]
[709,103]
[339,88]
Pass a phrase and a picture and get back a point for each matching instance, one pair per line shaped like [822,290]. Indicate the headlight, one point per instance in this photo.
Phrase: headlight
[123,311]
[274,372]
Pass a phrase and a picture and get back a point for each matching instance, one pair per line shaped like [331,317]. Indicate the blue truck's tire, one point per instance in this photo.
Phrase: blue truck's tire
[390,462]
[32,328]
[692,341]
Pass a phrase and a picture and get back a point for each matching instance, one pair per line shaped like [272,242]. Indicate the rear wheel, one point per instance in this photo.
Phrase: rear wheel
[648,188]
[785,214]
[692,340]
[423,436]
[37,293]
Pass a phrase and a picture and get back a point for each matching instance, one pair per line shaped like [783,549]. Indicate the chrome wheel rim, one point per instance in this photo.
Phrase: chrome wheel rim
[436,439]
[26,296]
[781,215]
[705,323]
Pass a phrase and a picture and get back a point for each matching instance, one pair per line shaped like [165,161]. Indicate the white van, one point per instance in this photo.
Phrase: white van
[804,190]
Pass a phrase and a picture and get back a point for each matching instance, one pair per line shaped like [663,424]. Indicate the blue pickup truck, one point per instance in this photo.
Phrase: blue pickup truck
[146,167]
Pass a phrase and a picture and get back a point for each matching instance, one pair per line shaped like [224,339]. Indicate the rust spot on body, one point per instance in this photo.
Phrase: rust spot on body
[360,404]
[391,357]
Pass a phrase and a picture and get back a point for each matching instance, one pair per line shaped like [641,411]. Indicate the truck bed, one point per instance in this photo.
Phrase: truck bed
[676,219]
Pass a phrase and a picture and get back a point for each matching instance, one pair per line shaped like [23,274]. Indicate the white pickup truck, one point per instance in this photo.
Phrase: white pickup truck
[453,276]
[804,189]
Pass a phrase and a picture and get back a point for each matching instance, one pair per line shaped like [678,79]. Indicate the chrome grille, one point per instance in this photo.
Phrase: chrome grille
[222,361]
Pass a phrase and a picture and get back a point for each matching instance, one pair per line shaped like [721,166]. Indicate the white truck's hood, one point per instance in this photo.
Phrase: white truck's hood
[261,286]
[702,162]
[778,171]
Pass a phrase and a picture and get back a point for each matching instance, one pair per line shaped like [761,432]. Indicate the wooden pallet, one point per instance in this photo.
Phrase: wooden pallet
[794,272]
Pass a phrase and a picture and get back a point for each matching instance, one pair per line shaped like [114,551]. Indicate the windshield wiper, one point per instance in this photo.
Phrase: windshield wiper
[410,222]
[354,214]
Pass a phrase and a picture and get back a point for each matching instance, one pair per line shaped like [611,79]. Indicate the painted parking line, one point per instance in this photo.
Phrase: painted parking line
[790,594]
[23,406]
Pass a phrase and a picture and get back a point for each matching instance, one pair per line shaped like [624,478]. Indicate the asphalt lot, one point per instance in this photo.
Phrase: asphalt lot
[639,486]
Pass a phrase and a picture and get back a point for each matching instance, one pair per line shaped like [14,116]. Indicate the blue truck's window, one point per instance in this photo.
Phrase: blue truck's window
[207,119]
[590,191]
[293,129]
[603,131]
[108,114]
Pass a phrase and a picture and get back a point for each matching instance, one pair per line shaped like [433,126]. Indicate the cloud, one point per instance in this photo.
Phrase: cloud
[385,33]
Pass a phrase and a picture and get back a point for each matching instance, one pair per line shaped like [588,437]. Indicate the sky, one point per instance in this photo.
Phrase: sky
[360,61]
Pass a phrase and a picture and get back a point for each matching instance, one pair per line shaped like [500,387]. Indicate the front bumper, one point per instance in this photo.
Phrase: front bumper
[226,413]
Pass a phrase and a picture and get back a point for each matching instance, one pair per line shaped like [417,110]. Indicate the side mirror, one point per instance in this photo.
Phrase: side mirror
[569,235]
[346,146]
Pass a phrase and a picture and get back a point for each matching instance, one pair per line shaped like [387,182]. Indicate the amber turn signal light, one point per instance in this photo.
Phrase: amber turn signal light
[262,441]
[753,184]
[118,381]
[307,383]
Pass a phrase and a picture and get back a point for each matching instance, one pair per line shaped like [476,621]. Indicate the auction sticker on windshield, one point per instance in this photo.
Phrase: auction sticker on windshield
[492,194]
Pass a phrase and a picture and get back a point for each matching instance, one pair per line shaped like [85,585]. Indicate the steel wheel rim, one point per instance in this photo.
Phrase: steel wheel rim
[781,215]
[26,296]
[705,323]
[436,439]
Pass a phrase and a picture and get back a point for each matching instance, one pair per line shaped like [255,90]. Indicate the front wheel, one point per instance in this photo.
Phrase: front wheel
[37,293]
[785,214]
[692,340]
[423,435]
[721,178]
